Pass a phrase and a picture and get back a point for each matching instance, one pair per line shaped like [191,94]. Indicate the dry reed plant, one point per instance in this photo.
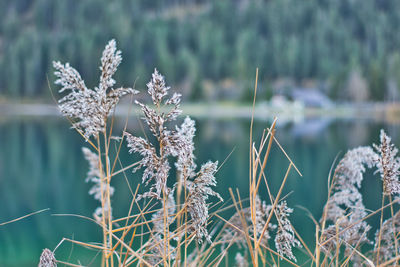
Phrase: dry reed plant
[344,229]
[178,222]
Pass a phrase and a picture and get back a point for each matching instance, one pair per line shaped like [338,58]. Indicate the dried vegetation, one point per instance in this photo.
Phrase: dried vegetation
[176,220]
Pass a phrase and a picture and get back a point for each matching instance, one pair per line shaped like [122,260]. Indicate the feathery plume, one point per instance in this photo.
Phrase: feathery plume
[235,222]
[240,261]
[156,167]
[98,191]
[185,163]
[110,61]
[199,191]
[89,108]
[285,239]
[157,88]
[262,213]
[199,185]
[350,170]
[345,206]
[47,259]
[155,163]
[177,143]
[388,165]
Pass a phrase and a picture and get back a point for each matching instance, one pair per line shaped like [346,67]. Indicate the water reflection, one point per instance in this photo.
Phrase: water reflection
[311,128]
[41,166]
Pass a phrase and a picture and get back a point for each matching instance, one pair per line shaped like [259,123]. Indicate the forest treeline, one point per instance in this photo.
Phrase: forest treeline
[336,43]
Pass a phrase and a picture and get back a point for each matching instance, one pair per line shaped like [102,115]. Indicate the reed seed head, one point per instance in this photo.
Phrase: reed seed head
[199,190]
[47,259]
[98,190]
[345,208]
[89,108]
[388,165]
[285,239]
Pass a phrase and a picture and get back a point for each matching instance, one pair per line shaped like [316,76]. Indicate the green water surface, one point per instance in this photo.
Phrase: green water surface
[42,166]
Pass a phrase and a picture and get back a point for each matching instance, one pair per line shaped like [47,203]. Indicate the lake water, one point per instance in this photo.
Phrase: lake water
[42,166]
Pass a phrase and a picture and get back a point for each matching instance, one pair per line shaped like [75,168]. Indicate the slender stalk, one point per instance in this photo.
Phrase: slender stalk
[108,193]
[380,230]
[317,248]
[103,222]
[178,218]
[166,229]
[394,231]
[186,223]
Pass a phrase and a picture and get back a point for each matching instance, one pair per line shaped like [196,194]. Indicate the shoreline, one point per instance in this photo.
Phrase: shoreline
[387,112]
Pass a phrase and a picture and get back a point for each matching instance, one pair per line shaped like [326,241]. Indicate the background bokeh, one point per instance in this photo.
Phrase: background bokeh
[203,44]
[329,70]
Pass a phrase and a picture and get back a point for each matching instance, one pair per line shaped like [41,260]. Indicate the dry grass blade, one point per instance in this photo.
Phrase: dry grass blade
[251,239]
[69,264]
[386,263]
[23,217]
[244,224]
[286,155]
[276,202]
[357,222]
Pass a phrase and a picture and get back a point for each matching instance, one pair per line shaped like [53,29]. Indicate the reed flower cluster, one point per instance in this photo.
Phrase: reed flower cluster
[388,164]
[345,205]
[47,259]
[177,143]
[155,163]
[243,218]
[198,192]
[97,190]
[89,108]
[285,239]
[344,219]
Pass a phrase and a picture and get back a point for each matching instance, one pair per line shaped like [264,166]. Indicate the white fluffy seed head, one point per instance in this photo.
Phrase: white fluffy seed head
[98,191]
[89,108]
[345,209]
[388,165]
[173,143]
[285,239]
[47,259]
[199,190]
[157,88]
[110,61]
